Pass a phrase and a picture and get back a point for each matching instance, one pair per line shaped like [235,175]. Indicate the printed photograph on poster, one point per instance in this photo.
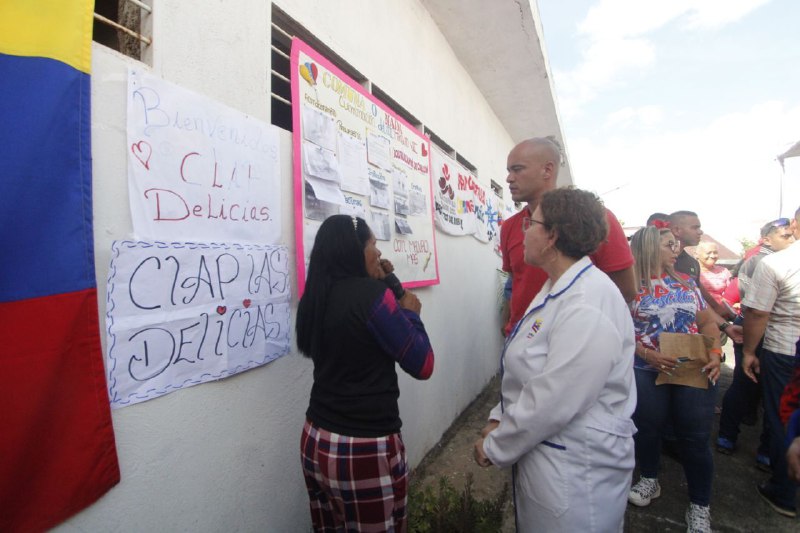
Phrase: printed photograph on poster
[320,163]
[317,209]
[319,127]
[417,205]
[354,206]
[400,205]
[400,181]
[378,177]
[402,226]
[378,195]
[379,151]
[379,223]
[327,191]
[353,164]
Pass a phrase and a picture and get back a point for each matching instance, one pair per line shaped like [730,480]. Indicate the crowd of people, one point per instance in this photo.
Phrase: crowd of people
[588,393]
[668,290]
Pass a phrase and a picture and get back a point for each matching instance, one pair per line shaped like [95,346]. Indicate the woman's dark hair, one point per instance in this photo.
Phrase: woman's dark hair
[578,218]
[338,253]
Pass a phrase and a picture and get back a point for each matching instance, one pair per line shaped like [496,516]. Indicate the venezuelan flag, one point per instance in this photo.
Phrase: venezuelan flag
[57,451]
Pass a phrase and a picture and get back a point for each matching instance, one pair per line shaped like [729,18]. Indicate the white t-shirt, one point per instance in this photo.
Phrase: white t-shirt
[775,288]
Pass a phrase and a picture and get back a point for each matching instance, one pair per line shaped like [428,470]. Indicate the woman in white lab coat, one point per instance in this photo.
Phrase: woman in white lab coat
[568,389]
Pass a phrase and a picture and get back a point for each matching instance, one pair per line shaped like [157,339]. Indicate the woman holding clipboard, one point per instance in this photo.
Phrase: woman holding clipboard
[670,302]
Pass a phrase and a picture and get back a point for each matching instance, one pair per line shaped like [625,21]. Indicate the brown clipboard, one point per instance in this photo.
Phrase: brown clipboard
[693,346]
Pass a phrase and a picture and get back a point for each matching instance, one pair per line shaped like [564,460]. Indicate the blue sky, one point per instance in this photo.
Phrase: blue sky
[680,104]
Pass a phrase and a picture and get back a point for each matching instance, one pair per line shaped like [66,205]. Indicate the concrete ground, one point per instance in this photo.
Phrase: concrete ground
[735,506]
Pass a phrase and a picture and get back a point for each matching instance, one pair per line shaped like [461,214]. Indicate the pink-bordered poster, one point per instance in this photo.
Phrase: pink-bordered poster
[353,155]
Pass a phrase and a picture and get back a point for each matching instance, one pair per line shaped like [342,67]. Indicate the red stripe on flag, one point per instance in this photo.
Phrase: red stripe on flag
[57,451]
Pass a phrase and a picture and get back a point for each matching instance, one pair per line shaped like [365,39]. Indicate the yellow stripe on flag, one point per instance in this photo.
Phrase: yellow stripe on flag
[58,29]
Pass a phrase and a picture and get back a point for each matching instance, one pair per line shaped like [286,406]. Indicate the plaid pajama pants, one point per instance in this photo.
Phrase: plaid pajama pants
[354,483]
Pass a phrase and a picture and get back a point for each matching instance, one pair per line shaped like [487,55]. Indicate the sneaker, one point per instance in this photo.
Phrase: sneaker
[763,463]
[698,518]
[725,446]
[644,491]
[766,494]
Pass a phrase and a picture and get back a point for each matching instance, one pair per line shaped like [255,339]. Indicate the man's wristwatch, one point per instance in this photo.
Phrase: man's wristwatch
[724,326]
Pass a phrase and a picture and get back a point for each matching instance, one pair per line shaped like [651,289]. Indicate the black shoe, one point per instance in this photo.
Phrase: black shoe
[767,496]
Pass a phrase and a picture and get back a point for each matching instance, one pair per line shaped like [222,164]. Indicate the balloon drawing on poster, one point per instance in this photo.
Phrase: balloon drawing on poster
[308,71]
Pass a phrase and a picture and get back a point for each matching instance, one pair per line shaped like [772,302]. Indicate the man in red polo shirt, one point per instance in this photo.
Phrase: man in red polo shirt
[532,171]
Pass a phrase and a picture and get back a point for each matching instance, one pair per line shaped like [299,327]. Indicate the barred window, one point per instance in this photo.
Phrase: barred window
[118,25]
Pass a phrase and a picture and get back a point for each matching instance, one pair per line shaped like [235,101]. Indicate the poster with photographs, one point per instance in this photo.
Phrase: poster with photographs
[353,155]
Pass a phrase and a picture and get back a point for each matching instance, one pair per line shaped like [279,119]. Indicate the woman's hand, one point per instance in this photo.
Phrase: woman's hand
[480,456]
[660,361]
[488,428]
[411,302]
[387,266]
[712,369]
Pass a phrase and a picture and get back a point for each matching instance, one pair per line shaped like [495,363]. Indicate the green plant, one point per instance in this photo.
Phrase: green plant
[746,244]
[446,510]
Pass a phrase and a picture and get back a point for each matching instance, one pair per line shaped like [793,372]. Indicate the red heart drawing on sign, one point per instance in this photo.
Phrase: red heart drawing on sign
[424,151]
[221,309]
[142,151]
[246,302]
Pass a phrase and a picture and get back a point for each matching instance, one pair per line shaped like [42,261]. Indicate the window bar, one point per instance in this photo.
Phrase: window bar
[281,76]
[141,5]
[281,99]
[122,28]
[282,30]
[280,52]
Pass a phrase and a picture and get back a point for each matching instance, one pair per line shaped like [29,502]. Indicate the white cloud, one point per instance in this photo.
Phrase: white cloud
[627,117]
[725,170]
[621,18]
[602,63]
[717,13]
[615,35]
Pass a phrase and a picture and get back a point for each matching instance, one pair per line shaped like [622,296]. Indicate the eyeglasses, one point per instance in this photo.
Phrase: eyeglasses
[527,222]
[674,246]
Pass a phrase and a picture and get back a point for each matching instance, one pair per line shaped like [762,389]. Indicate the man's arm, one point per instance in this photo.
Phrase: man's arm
[722,312]
[755,324]
[626,282]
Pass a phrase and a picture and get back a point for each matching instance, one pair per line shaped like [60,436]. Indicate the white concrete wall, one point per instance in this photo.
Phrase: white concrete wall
[224,456]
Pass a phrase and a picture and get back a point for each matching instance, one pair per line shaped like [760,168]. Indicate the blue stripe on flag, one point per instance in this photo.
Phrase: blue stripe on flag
[45,179]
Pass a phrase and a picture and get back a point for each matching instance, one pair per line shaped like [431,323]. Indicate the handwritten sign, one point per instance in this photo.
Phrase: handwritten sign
[198,170]
[452,197]
[183,313]
[380,160]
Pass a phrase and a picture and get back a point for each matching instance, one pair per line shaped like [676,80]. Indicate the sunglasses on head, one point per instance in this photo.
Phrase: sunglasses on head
[779,223]
[767,228]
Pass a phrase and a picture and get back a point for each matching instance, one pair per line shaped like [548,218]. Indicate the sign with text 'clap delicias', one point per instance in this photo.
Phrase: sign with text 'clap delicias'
[353,155]
[180,314]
